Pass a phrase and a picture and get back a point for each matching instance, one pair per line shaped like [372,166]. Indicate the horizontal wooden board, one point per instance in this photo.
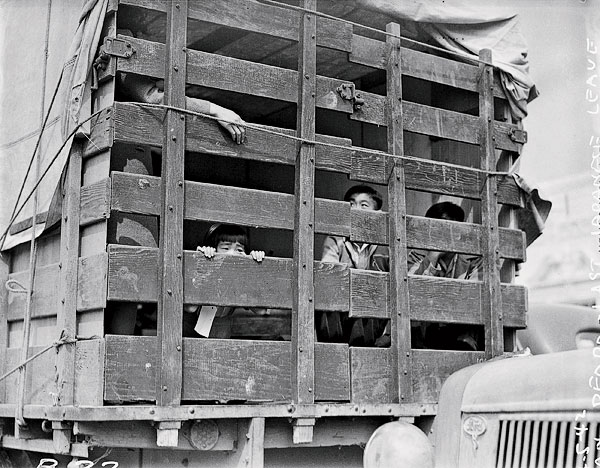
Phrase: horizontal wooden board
[231,74]
[89,373]
[421,65]
[459,301]
[91,292]
[141,194]
[368,294]
[432,368]
[370,376]
[206,137]
[95,202]
[39,383]
[222,370]
[237,281]
[254,16]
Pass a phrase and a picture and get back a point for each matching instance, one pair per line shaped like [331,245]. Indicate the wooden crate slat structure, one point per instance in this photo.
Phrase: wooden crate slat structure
[166,369]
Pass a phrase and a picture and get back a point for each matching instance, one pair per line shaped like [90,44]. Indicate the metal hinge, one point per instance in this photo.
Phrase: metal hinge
[117,47]
[518,136]
[348,92]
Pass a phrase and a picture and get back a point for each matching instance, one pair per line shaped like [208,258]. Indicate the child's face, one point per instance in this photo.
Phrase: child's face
[230,248]
[362,201]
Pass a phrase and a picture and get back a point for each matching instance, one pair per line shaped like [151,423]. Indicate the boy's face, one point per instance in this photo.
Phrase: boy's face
[230,248]
[362,201]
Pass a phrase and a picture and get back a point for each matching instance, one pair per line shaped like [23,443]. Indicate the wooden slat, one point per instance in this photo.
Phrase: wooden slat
[140,194]
[40,377]
[4,269]
[491,302]
[91,282]
[303,288]
[459,301]
[399,298]
[132,277]
[90,292]
[222,370]
[371,52]
[170,286]
[227,73]
[368,294]
[432,368]
[370,375]
[254,16]
[206,136]
[95,202]
[89,373]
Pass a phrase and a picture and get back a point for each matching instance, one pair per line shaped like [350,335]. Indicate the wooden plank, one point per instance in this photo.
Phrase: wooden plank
[224,280]
[66,319]
[205,137]
[254,16]
[102,137]
[370,375]
[4,269]
[303,293]
[432,368]
[368,294]
[221,370]
[491,302]
[91,282]
[90,293]
[89,373]
[232,74]
[446,300]
[95,202]
[170,268]
[421,65]
[399,299]
[40,382]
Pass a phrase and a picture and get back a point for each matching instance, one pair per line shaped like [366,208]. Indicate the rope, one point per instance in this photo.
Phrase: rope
[315,142]
[380,31]
[37,184]
[20,289]
[63,340]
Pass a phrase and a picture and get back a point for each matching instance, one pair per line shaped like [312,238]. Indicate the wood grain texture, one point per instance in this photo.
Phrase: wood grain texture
[95,202]
[424,66]
[91,290]
[89,373]
[491,303]
[222,370]
[206,137]
[254,16]
[40,381]
[370,375]
[432,368]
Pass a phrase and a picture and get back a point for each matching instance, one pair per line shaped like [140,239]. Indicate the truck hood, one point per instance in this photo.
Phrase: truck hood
[564,381]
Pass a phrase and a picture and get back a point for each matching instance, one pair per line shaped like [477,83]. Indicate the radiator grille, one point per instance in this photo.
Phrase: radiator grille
[547,444]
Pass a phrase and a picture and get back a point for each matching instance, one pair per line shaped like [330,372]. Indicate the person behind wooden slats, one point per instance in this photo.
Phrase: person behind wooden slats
[330,325]
[443,265]
[226,239]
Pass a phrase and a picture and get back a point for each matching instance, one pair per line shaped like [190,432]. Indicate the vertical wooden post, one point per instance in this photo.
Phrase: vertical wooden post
[4,271]
[67,313]
[303,310]
[170,300]
[399,300]
[491,300]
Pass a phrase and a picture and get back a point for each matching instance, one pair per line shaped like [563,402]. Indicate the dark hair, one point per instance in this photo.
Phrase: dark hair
[226,233]
[451,210]
[374,194]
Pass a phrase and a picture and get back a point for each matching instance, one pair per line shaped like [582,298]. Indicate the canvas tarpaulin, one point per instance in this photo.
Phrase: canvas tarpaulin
[30,78]
[466,28]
